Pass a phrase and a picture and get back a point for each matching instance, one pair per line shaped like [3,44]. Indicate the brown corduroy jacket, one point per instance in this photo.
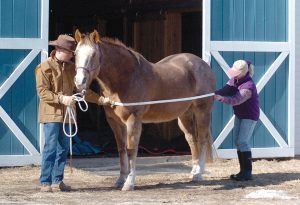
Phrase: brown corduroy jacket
[55,78]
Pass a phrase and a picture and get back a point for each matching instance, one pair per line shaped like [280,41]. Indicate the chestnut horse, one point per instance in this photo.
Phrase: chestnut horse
[126,76]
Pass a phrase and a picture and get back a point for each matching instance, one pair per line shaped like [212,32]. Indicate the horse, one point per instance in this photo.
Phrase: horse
[124,75]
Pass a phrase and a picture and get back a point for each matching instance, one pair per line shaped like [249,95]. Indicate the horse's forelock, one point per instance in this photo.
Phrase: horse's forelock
[86,40]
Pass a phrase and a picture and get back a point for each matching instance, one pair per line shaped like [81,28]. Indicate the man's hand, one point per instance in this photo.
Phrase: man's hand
[67,100]
[105,101]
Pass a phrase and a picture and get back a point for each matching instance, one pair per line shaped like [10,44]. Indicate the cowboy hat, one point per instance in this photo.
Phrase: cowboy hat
[65,42]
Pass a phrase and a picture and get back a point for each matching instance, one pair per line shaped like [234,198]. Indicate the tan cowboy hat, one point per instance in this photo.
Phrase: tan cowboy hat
[65,42]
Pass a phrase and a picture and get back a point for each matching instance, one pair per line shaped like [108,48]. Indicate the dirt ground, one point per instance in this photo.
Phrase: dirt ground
[160,180]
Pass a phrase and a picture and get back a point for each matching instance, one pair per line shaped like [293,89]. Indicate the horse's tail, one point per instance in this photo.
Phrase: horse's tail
[209,147]
[203,133]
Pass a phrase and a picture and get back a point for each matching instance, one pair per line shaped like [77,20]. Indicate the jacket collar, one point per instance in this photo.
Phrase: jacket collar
[242,80]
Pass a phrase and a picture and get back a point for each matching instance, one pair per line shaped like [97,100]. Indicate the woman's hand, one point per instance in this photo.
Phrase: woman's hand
[218,97]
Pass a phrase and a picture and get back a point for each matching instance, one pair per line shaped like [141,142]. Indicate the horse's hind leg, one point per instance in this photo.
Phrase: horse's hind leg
[186,124]
[195,124]
[204,135]
[119,131]
[134,128]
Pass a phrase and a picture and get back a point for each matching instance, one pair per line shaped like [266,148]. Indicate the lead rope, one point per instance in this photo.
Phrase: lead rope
[113,103]
[70,115]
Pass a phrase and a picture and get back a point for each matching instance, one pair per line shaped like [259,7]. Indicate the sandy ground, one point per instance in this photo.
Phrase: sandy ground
[160,180]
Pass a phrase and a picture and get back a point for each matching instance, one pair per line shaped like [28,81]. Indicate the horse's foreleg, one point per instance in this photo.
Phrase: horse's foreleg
[134,128]
[120,136]
[124,168]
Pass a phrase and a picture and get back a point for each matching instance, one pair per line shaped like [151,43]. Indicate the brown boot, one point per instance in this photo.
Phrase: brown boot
[60,187]
[46,188]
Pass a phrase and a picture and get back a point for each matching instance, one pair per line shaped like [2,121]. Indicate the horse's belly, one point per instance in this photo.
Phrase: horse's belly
[165,112]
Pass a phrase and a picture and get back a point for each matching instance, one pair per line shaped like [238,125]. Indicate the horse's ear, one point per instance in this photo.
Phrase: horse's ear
[77,35]
[95,36]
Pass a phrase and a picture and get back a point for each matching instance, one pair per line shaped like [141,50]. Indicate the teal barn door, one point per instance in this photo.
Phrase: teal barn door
[23,44]
[256,30]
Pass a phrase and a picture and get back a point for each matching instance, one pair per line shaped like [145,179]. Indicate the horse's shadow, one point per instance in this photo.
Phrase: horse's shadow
[95,189]
[261,180]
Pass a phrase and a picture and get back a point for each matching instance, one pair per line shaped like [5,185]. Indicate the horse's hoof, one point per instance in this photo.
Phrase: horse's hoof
[127,187]
[119,184]
[196,178]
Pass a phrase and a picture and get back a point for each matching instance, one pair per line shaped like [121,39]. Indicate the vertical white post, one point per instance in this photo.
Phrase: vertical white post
[292,74]
[206,56]
[44,28]
[44,51]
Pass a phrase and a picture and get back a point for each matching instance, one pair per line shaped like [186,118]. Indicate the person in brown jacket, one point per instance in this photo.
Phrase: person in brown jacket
[55,86]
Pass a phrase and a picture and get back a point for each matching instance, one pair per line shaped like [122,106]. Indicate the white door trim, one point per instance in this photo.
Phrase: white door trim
[257,152]
[19,160]
[249,46]
[292,72]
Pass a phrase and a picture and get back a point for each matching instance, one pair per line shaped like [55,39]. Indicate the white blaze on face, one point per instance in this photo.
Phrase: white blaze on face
[83,57]
[81,79]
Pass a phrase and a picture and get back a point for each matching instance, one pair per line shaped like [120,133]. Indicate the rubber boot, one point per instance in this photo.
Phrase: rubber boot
[247,167]
[233,176]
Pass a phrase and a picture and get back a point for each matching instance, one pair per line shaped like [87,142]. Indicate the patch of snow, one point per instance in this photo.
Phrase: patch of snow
[269,194]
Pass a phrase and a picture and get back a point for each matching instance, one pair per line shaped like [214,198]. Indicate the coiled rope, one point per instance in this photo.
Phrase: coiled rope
[70,117]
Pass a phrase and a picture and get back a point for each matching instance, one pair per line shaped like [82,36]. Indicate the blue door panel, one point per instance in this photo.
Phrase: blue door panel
[248,20]
[20,18]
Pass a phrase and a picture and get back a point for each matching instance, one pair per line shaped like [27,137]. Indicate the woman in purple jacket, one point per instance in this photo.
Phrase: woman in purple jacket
[240,92]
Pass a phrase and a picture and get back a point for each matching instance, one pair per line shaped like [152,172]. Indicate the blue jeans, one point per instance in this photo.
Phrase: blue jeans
[242,132]
[55,152]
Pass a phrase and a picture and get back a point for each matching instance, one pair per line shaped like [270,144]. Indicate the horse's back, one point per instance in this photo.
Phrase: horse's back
[191,66]
[178,76]
[180,58]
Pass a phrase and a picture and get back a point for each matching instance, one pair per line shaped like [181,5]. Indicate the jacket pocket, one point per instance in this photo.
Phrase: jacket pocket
[52,109]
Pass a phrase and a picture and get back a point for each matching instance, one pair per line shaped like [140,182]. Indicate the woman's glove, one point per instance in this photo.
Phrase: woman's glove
[66,100]
[218,97]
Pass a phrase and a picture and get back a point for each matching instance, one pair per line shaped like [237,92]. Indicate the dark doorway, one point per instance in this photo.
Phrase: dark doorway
[192,33]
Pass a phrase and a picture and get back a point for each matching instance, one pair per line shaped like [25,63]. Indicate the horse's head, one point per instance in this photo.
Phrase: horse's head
[87,58]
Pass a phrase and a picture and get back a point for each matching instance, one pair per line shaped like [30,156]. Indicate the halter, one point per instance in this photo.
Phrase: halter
[86,69]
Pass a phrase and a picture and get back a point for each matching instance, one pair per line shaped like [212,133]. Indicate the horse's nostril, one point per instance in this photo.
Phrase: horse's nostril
[84,80]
